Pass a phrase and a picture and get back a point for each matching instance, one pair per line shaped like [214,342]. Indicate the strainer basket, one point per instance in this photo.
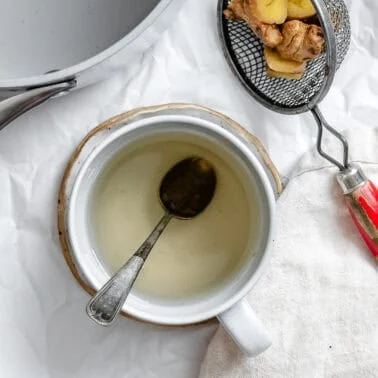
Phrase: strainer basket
[244,52]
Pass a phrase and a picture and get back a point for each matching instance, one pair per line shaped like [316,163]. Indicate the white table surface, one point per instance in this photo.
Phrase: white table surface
[43,327]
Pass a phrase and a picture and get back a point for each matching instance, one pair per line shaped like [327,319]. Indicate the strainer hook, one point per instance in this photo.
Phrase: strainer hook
[323,124]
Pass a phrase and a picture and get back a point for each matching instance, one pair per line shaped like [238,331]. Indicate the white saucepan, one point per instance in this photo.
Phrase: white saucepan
[49,47]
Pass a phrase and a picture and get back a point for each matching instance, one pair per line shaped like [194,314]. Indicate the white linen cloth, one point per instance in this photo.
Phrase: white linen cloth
[319,297]
[43,329]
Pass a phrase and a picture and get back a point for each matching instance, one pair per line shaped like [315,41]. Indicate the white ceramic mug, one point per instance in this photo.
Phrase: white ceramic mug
[228,303]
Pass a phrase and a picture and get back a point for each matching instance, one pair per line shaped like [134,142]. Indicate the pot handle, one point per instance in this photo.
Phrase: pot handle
[244,327]
[12,107]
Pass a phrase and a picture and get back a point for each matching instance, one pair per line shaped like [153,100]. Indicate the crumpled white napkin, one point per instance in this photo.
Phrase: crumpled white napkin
[319,299]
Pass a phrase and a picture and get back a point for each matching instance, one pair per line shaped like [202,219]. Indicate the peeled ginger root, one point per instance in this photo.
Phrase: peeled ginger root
[269,11]
[280,67]
[301,42]
[300,9]
[283,75]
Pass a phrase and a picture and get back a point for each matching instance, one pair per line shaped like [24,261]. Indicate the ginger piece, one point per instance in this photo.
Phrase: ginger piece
[278,64]
[301,42]
[270,35]
[269,11]
[284,75]
[235,11]
[300,9]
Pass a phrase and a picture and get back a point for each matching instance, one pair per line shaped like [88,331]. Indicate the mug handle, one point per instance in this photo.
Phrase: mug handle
[247,331]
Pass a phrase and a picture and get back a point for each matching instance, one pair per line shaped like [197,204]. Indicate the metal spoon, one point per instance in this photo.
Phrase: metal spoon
[185,191]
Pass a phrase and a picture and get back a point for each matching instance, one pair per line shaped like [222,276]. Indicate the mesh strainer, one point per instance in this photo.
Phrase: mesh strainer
[244,53]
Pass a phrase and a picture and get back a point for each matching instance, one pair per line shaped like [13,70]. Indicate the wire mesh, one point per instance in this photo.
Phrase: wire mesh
[246,52]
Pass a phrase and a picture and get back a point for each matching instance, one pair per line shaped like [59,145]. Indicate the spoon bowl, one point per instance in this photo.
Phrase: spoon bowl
[188,187]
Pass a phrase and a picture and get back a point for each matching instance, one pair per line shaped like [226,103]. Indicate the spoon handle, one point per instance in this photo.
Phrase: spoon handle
[107,303]
[104,307]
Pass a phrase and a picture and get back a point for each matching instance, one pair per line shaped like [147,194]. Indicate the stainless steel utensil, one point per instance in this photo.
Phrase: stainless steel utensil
[244,53]
[185,191]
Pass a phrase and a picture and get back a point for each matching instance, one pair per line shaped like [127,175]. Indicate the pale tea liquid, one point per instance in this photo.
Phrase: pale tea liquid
[192,256]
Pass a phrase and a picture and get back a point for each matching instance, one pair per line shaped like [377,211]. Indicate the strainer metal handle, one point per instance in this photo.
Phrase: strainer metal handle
[360,194]
[323,124]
